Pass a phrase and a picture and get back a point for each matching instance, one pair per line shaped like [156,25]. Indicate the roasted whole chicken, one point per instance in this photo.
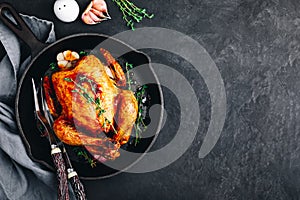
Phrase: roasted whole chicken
[90,106]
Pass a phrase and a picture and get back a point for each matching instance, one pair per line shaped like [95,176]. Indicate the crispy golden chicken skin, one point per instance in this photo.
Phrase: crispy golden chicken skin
[92,105]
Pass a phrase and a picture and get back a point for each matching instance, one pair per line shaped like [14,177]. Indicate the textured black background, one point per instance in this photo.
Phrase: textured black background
[255,45]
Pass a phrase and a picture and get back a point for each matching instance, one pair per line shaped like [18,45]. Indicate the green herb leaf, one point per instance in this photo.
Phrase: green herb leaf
[82,78]
[83,53]
[68,79]
[97,101]
[53,66]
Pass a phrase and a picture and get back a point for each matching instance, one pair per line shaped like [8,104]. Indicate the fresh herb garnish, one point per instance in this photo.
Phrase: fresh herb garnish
[82,153]
[68,79]
[131,12]
[53,66]
[83,53]
[139,125]
[82,91]
[140,93]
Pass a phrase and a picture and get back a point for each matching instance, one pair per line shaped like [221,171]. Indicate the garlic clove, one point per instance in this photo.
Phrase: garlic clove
[87,19]
[60,57]
[75,55]
[67,58]
[94,17]
[68,65]
[100,14]
[70,55]
[100,5]
[67,54]
[62,63]
[95,12]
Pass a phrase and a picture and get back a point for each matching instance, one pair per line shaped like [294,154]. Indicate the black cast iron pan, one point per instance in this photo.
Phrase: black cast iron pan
[42,56]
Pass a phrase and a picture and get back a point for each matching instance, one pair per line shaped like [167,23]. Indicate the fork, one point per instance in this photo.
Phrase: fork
[56,154]
[73,177]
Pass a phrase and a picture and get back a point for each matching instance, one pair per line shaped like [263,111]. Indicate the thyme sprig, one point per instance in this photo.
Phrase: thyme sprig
[82,153]
[129,81]
[139,125]
[131,12]
[82,91]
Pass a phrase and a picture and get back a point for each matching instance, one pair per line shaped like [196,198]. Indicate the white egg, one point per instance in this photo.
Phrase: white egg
[66,10]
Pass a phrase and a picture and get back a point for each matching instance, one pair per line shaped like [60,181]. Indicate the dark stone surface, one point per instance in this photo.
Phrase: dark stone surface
[255,45]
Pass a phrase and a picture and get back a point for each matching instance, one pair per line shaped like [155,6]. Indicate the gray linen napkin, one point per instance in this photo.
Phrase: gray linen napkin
[20,177]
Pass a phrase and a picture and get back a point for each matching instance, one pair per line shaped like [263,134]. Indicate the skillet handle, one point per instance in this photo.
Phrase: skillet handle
[20,28]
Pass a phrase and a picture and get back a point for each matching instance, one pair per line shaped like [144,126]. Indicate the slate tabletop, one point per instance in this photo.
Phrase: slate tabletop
[255,46]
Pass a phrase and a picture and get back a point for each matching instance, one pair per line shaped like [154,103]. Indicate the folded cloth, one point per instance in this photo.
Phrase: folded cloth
[20,177]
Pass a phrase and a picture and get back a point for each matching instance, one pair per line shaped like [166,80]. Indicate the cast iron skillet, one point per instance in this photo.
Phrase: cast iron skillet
[44,54]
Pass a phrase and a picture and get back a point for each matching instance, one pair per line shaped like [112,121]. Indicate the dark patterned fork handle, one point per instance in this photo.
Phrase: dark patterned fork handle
[76,185]
[63,192]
